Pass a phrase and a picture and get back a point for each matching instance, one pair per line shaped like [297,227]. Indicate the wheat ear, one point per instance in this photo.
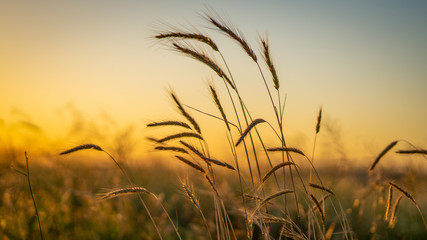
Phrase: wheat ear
[124,191]
[233,34]
[181,135]
[191,164]
[82,147]
[286,149]
[169,123]
[218,104]
[389,200]
[400,189]
[202,57]
[321,188]
[267,199]
[185,113]
[416,151]
[275,168]
[269,61]
[319,208]
[194,36]
[386,149]
[248,129]
[174,149]
[392,220]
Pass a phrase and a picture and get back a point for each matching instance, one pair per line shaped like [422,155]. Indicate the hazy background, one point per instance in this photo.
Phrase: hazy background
[73,72]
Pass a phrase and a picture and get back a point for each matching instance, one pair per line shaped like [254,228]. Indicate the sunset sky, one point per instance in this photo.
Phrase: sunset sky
[95,62]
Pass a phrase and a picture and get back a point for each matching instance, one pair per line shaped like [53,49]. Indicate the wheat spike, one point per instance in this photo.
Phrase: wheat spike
[181,135]
[319,119]
[219,163]
[202,57]
[174,149]
[390,146]
[392,220]
[321,188]
[269,62]
[124,191]
[389,200]
[248,129]
[195,151]
[234,34]
[169,123]
[82,147]
[218,104]
[286,149]
[191,164]
[319,208]
[416,151]
[404,192]
[206,159]
[248,196]
[185,113]
[190,194]
[195,36]
[267,199]
[275,168]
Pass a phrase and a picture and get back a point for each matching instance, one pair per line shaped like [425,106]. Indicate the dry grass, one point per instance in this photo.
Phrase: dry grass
[241,203]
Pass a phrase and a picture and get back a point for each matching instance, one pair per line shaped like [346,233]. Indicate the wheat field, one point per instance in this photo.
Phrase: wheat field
[267,188]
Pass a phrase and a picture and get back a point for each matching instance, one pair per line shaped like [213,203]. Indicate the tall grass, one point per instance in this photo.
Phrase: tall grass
[264,190]
[288,195]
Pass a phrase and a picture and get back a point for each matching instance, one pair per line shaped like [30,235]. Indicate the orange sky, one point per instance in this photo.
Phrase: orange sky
[84,71]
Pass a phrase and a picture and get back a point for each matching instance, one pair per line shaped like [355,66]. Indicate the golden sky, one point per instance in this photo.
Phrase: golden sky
[76,71]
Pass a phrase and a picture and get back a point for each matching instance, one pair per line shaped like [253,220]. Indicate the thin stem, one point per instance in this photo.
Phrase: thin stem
[32,196]
[140,198]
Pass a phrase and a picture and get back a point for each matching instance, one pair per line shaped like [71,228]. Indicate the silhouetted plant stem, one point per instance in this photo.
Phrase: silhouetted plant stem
[32,196]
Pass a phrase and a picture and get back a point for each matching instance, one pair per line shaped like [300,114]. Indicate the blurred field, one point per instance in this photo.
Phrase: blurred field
[67,192]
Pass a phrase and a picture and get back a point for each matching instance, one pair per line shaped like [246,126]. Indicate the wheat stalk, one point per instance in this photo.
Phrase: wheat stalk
[32,197]
[211,184]
[386,149]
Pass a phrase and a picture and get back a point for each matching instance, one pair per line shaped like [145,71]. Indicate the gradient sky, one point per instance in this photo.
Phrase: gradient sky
[363,61]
